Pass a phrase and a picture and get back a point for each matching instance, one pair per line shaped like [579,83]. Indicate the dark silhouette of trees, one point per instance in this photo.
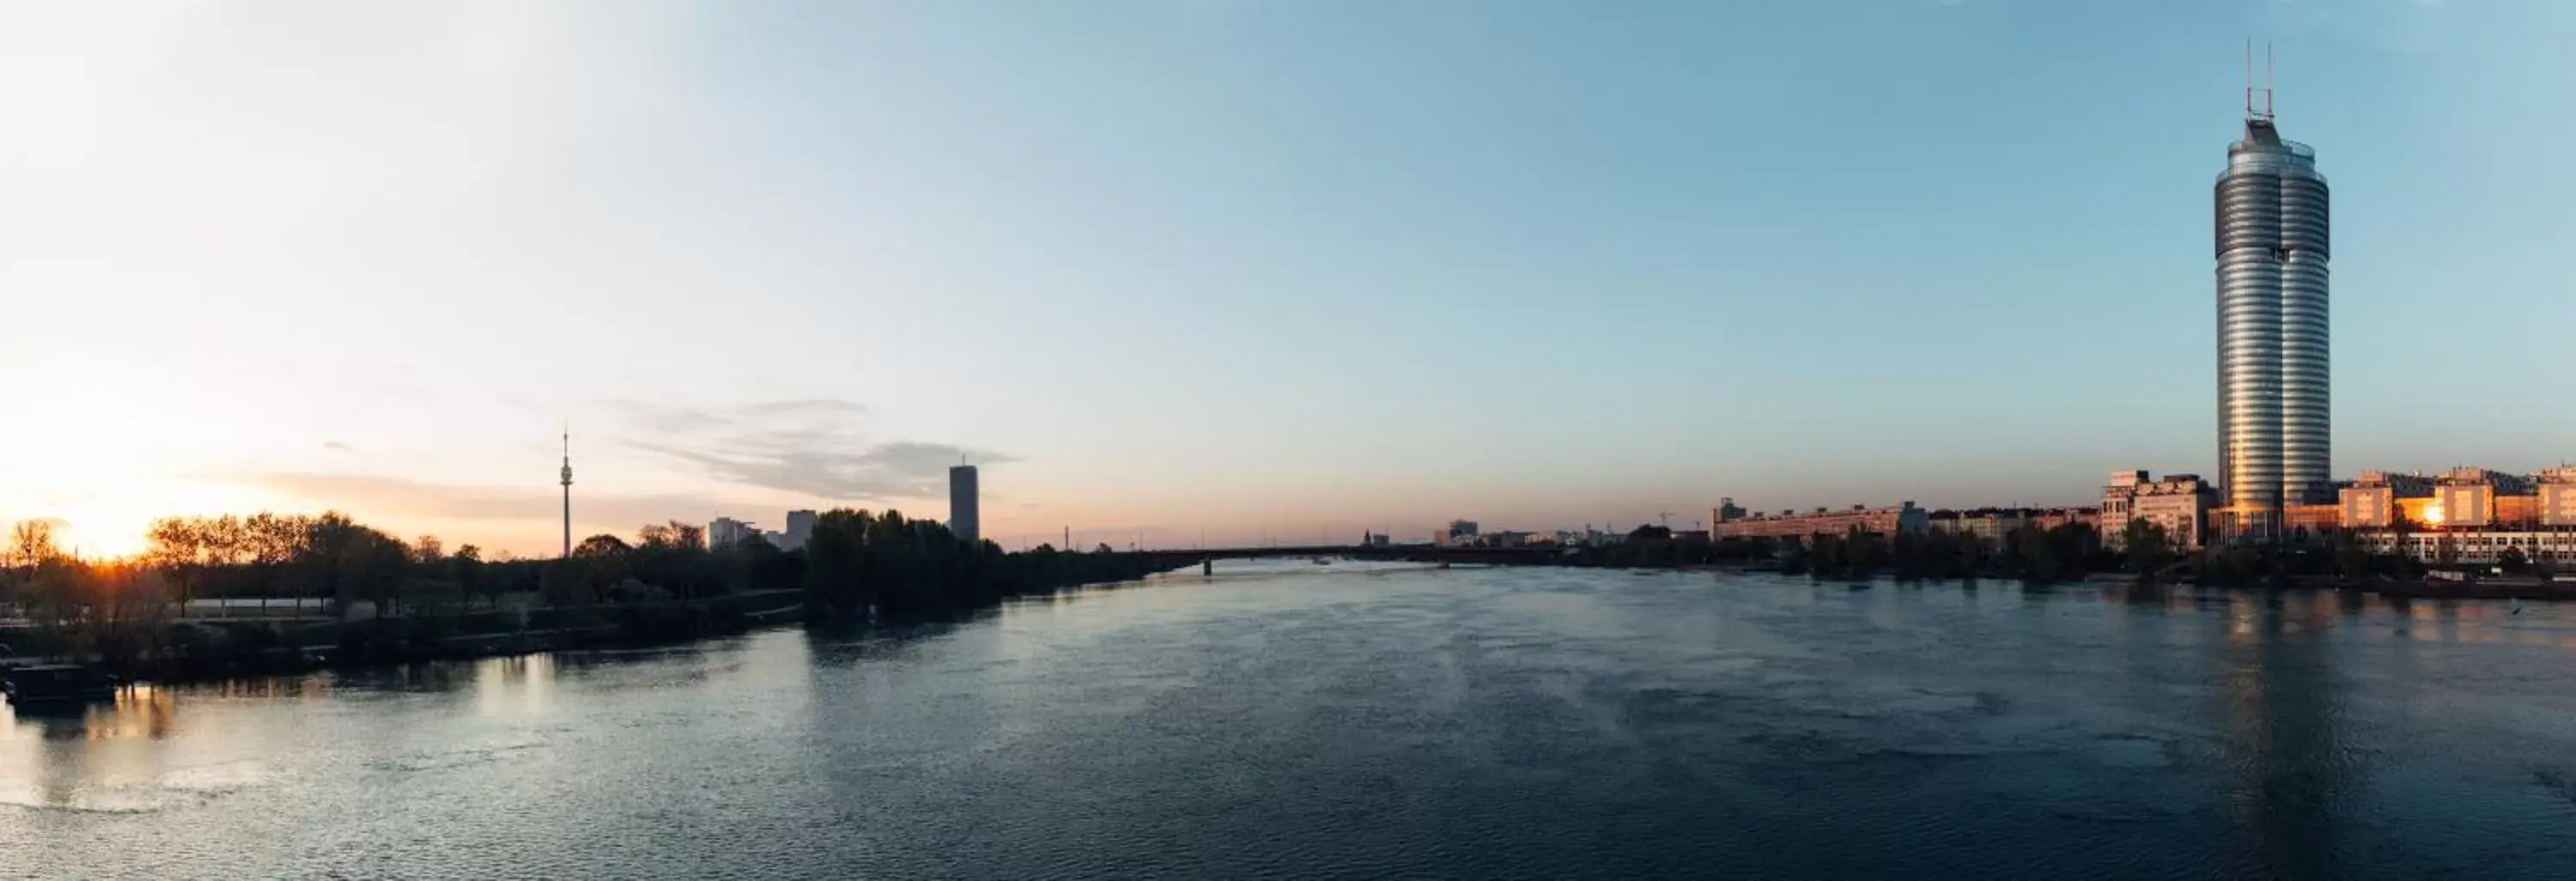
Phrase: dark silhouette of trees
[1654,547]
[2029,554]
[2149,549]
[858,565]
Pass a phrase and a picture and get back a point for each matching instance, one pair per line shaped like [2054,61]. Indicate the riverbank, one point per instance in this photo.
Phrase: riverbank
[222,649]
[208,650]
[2533,588]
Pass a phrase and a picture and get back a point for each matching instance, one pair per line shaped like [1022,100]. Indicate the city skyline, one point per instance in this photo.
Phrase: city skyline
[1587,266]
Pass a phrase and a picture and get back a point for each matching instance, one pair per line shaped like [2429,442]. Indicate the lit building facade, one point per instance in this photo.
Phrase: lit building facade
[2557,497]
[2180,504]
[2371,502]
[2465,515]
[2470,498]
[2555,548]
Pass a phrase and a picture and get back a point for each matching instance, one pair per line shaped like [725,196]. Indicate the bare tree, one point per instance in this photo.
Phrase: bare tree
[32,542]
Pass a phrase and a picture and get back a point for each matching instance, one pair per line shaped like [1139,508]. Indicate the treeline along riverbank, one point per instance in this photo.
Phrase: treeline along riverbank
[267,593]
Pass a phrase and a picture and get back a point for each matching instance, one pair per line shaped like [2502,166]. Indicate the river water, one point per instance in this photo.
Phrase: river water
[1297,721]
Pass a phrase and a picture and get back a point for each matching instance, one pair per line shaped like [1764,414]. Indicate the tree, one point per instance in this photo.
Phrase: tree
[316,555]
[372,566]
[467,567]
[428,549]
[180,547]
[2513,561]
[2149,549]
[31,542]
[271,540]
[2352,559]
[674,535]
[836,563]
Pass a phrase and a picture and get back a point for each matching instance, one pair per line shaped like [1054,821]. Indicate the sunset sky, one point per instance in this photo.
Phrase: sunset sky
[1222,268]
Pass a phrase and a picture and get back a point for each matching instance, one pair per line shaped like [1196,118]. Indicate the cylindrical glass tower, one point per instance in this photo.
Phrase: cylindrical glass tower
[2274,430]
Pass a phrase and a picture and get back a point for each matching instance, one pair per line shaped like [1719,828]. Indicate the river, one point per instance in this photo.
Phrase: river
[1300,721]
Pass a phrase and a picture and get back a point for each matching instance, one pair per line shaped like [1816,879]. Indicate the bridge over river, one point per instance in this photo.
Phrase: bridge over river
[1207,557]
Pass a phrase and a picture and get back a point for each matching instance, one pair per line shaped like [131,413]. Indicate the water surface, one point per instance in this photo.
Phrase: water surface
[1295,721]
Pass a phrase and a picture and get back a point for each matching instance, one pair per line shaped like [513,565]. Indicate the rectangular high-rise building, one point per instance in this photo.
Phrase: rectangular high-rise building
[725,532]
[2273,423]
[962,518]
[800,526]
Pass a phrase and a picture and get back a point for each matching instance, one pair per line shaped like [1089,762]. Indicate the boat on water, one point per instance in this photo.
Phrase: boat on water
[56,684]
[1323,561]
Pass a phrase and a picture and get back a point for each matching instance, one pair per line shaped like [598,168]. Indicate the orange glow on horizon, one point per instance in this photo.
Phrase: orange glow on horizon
[111,519]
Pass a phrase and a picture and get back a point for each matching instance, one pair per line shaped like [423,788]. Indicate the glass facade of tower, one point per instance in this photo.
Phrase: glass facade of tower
[2274,426]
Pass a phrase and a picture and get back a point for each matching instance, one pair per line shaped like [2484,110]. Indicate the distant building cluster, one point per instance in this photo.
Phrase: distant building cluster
[2473,515]
[1905,518]
[725,532]
[1589,537]
[1992,524]
[1468,533]
[2466,514]
[1727,521]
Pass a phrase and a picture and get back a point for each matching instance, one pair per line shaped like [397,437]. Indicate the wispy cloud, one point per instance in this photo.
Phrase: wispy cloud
[810,446]
[395,498]
[338,447]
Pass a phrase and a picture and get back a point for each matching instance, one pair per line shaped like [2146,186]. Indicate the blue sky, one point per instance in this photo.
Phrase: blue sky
[1230,268]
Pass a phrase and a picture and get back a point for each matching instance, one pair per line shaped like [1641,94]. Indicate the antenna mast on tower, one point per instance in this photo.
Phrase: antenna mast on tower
[2251,114]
